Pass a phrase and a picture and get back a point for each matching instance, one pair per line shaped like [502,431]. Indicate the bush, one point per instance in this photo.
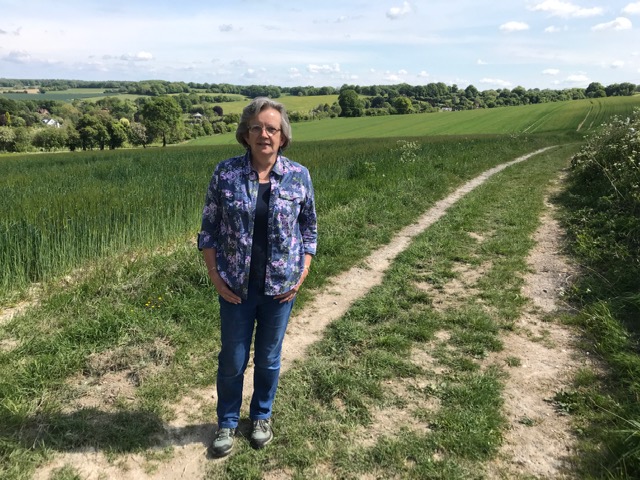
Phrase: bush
[7,139]
[603,222]
[608,167]
[610,161]
[49,138]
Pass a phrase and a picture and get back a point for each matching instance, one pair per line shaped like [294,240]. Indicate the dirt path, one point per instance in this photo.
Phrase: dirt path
[535,444]
[539,440]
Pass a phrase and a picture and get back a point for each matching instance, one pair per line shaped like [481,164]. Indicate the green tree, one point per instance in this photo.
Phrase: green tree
[471,92]
[161,116]
[403,105]
[350,103]
[7,139]
[49,138]
[93,132]
[22,139]
[73,138]
[117,134]
[138,135]
[595,90]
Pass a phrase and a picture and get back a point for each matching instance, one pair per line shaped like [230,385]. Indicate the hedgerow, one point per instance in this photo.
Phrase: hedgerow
[603,224]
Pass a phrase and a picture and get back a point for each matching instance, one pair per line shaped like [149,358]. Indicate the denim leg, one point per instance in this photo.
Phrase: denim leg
[236,331]
[272,320]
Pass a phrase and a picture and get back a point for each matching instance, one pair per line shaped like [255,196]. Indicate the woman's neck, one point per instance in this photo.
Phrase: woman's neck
[263,166]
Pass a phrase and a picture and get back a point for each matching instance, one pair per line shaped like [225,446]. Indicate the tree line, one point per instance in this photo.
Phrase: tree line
[401,99]
[172,112]
[109,123]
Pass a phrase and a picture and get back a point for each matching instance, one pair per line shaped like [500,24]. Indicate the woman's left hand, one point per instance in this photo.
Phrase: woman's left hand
[291,294]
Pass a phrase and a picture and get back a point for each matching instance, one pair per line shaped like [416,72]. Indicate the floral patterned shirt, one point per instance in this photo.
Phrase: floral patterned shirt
[228,217]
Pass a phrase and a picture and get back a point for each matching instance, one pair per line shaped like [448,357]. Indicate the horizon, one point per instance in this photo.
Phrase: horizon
[337,89]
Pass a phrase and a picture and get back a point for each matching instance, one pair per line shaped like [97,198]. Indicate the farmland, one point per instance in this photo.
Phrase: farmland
[105,239]
[574,117]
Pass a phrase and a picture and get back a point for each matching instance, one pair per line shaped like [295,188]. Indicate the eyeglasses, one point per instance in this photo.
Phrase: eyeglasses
[257,130]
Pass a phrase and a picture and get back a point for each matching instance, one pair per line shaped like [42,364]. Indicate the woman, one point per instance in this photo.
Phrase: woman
[258,237]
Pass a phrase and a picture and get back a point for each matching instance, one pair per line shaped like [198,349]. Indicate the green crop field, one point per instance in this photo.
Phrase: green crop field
[61,209]
[62,96]
[577,116]
[292,103]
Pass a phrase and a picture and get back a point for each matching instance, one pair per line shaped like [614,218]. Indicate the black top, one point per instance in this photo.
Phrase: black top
[259,248]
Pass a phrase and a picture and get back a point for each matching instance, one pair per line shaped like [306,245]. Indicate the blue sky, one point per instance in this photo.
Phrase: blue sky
[489,44]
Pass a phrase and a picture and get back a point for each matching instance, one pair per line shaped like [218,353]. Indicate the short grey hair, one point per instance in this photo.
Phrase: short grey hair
[257,105]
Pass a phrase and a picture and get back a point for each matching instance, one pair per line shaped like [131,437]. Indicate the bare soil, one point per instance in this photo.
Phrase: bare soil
[539,439]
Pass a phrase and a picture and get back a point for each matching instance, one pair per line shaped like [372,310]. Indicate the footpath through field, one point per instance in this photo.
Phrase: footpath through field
[306,328]
[190,442]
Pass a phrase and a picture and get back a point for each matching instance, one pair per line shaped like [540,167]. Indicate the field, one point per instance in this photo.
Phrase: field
[112,349]
[292,103]
[573,117]
[63,95]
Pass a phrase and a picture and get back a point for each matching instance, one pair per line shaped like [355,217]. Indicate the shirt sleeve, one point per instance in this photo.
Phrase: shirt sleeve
[211,214]
[307,219]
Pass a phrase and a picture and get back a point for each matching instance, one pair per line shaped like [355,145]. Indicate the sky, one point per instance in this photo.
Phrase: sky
[491,44]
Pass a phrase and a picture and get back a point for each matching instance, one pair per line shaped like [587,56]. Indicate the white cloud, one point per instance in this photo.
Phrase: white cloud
[16,32]
[514,27]
[578,78]
[481,62]
[397,77]
[495,81]
[559,8]
[17,56]
[323,68]
[423,74]
[392,78]
[632,8]
[295,75]
[620,23]
[554,29]
[551,71]
[617,64]
[138,57]
[397,12]
[226,28]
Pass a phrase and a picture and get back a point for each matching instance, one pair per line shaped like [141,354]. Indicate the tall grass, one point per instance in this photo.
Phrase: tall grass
[62,209]
[602,216]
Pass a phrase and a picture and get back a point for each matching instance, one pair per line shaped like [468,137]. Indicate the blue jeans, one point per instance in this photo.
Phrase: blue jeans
[270,318]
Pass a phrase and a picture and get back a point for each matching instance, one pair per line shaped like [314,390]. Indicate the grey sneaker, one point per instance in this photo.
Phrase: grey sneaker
[222,442]
[262,434]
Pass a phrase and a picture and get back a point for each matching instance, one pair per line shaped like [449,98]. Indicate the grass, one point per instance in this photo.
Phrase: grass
[102,203]
[292,103]
[601,218]
[155,311]
[140,314]
[395,355]
[551,118]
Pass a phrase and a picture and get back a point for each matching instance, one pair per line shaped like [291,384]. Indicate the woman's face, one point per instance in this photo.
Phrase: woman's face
[259,139]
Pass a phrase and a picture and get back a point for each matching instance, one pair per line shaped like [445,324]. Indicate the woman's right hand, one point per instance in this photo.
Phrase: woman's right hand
[223,289]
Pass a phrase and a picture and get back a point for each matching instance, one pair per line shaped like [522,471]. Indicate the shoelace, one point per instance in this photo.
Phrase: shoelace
[223,434]
[261,424]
